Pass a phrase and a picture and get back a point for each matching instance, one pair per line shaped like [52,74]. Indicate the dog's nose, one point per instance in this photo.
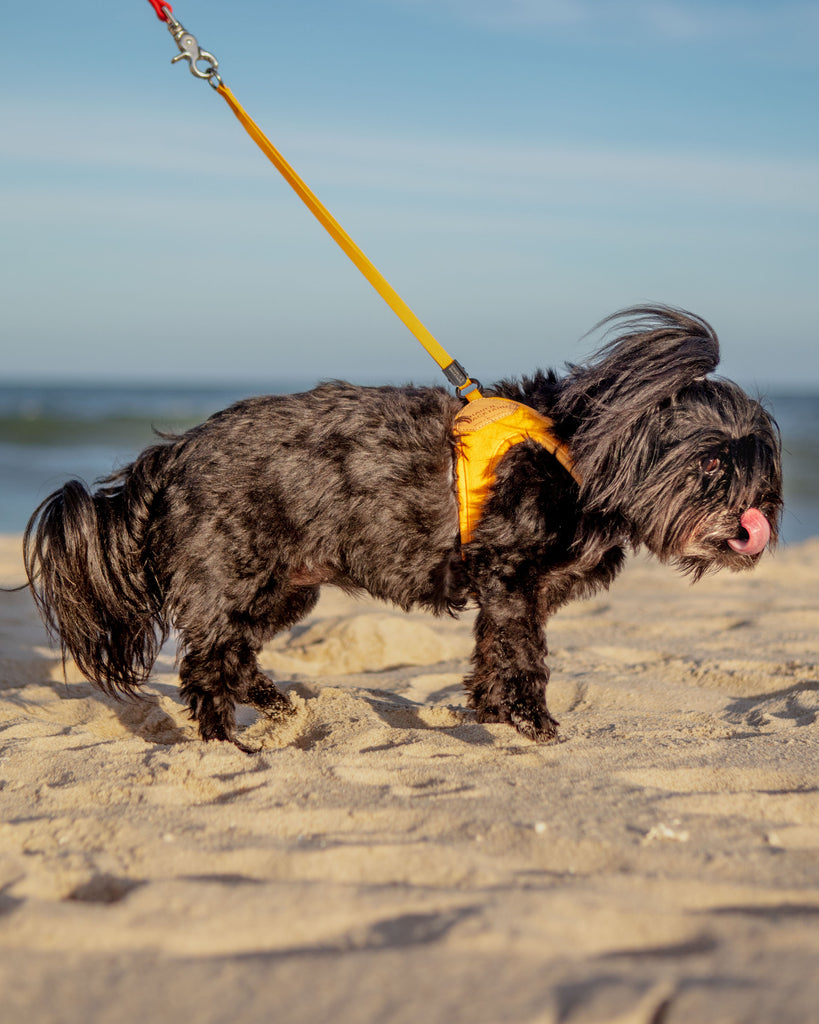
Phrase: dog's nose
[759,533]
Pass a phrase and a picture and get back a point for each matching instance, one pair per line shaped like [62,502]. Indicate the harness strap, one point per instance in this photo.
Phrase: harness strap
[485,430]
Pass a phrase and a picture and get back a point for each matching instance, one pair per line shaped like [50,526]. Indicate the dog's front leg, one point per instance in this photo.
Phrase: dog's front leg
[509,680]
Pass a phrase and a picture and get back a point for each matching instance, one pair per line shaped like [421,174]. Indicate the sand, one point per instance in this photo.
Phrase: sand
[387,859]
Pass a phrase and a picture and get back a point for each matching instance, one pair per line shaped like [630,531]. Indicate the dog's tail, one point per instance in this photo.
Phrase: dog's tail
[89,569]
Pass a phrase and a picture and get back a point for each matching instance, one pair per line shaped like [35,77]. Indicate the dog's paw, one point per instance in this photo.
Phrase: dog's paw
[219,732]
[222,734]
[535,724]
[244,747]
[266,697]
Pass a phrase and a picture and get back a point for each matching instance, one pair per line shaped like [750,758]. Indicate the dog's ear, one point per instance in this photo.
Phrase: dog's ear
[656,352]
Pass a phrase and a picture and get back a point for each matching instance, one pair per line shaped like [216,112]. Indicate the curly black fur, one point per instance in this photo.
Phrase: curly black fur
[227,532]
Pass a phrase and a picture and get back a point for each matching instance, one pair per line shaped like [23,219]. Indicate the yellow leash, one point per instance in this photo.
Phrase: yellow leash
[340,236]
[190,51]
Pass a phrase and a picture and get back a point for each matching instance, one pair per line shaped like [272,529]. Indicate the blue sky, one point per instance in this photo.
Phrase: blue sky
[517,169]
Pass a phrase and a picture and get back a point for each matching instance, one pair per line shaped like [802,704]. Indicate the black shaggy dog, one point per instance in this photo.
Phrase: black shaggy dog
[226,533]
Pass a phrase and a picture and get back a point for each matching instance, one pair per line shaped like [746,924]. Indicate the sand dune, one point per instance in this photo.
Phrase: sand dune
[385,858]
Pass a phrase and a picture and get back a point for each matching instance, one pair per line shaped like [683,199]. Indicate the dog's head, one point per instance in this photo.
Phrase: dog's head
[688,464]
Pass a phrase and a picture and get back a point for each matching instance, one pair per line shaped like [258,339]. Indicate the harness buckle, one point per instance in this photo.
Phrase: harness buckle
[461,381]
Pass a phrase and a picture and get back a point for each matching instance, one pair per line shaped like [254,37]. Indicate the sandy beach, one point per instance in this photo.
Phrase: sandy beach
[387,859]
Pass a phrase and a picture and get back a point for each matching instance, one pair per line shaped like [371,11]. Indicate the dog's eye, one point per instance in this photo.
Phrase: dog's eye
[710,466]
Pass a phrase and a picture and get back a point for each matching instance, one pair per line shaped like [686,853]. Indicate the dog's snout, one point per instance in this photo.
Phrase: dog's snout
[758,533]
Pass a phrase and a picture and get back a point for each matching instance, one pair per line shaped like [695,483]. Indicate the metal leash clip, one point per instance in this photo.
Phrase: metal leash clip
[190,51]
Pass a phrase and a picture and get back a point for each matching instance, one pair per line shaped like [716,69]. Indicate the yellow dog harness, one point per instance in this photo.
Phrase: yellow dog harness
[485,430]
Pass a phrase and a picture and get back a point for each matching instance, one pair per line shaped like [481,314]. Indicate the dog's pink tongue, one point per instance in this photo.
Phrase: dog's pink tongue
[759,533]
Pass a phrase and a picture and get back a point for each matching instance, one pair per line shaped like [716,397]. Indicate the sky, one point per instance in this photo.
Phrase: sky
[517,169]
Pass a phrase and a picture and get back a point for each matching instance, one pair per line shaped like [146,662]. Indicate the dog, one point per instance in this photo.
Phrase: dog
[226,533]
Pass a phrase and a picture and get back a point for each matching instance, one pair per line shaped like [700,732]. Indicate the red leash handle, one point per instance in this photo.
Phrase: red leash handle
[160,7]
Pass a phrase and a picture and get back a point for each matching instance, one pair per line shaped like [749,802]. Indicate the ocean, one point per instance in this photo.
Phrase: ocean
[51,433]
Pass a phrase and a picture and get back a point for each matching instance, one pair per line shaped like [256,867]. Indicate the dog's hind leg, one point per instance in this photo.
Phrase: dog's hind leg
[218,674]
[271,613]
[213,681]
[510,674]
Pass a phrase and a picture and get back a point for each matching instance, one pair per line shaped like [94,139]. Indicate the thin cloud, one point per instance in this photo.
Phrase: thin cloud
[702,20]
[402,166]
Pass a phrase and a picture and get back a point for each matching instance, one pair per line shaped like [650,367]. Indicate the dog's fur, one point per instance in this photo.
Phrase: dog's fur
[227,532]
